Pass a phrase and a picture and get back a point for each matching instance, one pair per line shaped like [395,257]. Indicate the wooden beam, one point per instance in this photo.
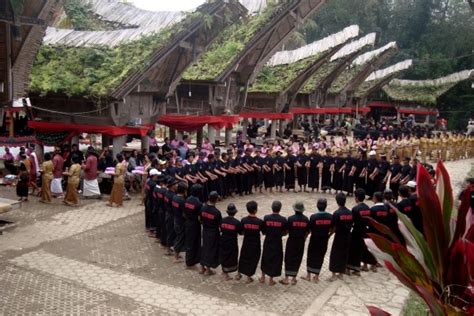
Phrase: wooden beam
[22,20]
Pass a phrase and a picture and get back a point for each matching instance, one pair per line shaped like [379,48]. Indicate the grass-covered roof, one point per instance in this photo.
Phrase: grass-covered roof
[277,78]
[79,16]
[230,44]
[345,78]
[423,94]
[318,76]
[366,86]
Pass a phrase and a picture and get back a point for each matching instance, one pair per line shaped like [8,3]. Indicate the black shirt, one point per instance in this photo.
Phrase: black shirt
[274,225]
[320,224]
[178,208]
[298,226]
[192,207]
[342,220]
[252,226]
[230,227]
[210,217]
[360,211]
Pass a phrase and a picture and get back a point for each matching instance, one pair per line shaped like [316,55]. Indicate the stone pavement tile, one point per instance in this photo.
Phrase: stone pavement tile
[26,292]
[63,225]
[162,296]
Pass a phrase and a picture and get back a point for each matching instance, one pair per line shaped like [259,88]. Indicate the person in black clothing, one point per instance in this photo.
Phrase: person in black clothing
[257,166]
[372,174]
[251,248]
[302,170]
[248,178]
[279,171]
[382,177]
[274,228]
[158,200]
[348,176]
[395,176]
[169,215]
[337,170]
[192,233]
[406,171]
[326,161]
[210,219]
[297,233]
[407,207]
[390,204]
[313,164]
[229,247]
[359,232]
[320,228]
[268,173]
[380,213]
[360,174]
[178,210]
[290,161]
[341,225]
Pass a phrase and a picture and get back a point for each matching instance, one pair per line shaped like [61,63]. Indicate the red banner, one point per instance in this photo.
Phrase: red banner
[310,111]
[380,104]
[45,127]
[418,111]
[265,115]
[191,123]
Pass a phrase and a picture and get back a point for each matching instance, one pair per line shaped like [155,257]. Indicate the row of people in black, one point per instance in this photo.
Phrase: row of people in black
[244,174]
[184,223]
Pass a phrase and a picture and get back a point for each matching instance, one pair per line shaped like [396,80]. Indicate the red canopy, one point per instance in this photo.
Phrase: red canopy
[380,104]
[321,110]
[418,111]
[190,123]
[266,115]
[45,127]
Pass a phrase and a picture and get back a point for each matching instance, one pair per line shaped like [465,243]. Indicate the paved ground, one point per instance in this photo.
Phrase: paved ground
[98,260]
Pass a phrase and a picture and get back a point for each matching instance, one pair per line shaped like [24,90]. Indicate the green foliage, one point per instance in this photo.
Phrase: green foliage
[426,95]
[81,18]
[278,78]
[90,71]
[228,45]
[17,6]
[366,86]
[345,78]
[414,306]
[318,76]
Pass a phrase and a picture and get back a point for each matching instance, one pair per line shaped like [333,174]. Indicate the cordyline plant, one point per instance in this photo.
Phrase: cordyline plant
[439,266]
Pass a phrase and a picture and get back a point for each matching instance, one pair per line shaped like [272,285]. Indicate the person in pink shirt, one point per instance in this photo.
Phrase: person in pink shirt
[58,166]
[207,147]
[91,186]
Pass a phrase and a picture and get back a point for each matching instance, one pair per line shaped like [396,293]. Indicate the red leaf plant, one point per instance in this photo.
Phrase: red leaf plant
[439,265]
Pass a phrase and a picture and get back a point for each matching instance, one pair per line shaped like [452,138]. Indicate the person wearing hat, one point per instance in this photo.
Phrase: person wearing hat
[297,233]
[274,228]
[169,215]
[320,228]
[341,225]
[192,233]
[177,205]
[229,247]
[395,176]
[278,170]
[251,246]
[58,165]
[210,220]
[149,200]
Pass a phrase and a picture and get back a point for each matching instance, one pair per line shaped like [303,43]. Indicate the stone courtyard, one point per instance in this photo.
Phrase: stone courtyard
[96,260]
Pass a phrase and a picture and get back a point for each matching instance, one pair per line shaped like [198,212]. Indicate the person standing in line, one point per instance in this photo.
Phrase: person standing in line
[210,219]
[274,228]
[58,165]
[251,247]
[320,228]
[158,195]
[341,225]
[297,231]
[169,215]
[359,232]
[229,247]
[22,185]
[46,178]
[74,173]
[192,234]
[177,204]
[149,199]
[116,196]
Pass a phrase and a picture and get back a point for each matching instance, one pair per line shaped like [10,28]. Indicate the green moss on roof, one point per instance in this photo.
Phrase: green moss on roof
[366,86]
[278,78]
[79,16]
[229,44]
[345,78]
[317,78]
[427,95]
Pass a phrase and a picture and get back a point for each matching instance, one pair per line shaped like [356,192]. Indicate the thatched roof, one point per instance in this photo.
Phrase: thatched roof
[380,77]
[286,66]
[425,91]
[361,68]
[338,59]
[98,64]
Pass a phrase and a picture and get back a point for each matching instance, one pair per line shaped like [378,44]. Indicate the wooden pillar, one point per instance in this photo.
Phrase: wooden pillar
[10,123]
[273,129]
[146,143]
[172,134]
[199,136]
[211,134]
[281,127]
[228,136]
[118,143]
[245,126]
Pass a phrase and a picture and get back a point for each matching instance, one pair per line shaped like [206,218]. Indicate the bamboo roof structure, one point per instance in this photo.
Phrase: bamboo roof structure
[330,70]
[107,64]
[285,67]
[380,77]
[425,91]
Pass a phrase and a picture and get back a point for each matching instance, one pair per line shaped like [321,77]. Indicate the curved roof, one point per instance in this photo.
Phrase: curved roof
[425,91]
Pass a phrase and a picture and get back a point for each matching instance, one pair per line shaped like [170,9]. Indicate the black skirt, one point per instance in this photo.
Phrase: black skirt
[348,183]
[279,178]
[229,254]
[302,176]
[210,248]
[193,242]
[339,253]
[290,179]
[293,255]
[163,232]
[268,179]
[317,248]
[179,241]
[326,179]
[170,234]
[337,181]
[313,178]
[355,253]
[22,189]
[249,256]
[272,257]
